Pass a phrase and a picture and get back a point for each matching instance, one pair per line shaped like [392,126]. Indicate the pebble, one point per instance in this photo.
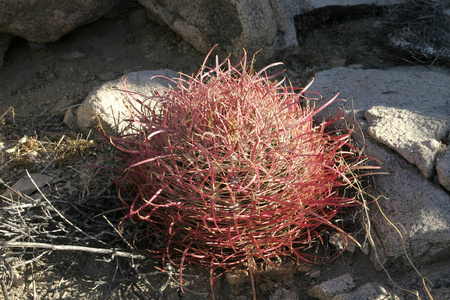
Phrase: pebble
[366,248]
[72,56]
[25,186]
[3,146]
[23,140]
[283,294]
[330,288]
[355,66]
[49,77]
[106,76]
[335,63]
[69,118]
[314,274]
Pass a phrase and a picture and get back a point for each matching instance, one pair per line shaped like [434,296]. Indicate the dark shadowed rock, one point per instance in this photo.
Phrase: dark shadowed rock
[251,24]
[46,21]
[5,39]
[266,25]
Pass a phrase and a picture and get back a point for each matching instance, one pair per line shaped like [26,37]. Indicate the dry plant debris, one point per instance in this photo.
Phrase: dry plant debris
[419,30]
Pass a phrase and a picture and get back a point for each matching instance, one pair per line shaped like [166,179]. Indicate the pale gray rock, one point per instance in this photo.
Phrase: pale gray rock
[369,291]
[328,289]
[443,169]
[417,205]
[46,21]
[413,136]
[107,104]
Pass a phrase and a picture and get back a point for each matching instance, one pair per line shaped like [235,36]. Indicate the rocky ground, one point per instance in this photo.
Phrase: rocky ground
[75,205]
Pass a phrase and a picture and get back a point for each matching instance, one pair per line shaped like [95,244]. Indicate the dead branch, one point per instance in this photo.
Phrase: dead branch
[113,252]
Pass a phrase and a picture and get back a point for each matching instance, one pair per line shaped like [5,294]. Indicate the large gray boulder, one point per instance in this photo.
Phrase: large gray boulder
[266,25]
[253,24]
[107,107]
[46,21]
[419,206]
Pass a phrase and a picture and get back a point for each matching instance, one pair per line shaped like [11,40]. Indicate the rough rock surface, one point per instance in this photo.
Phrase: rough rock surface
[231,24]
[326,290]
[47,20]
[416,137]
[443,169]
[106,103]
[253,24]
[369,291]
[419,206]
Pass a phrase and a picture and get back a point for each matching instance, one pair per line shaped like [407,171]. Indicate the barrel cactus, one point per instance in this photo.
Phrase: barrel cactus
[232,170]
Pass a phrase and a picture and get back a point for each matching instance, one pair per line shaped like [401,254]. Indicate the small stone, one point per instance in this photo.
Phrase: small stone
[10,151]
[355,66]
[72,56]
[236,277]
[443,169]
[50,77]
[351,247]
[328,289]
[85,77]
[314,274]
[335,63]
[17,281]
[283,294]
[369,291]
[365,248]
[39,51]
[304,268]
[337,241]
[69,118]
[23,140]
[59,109]
[3,146]
[106,76]
[26,186]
